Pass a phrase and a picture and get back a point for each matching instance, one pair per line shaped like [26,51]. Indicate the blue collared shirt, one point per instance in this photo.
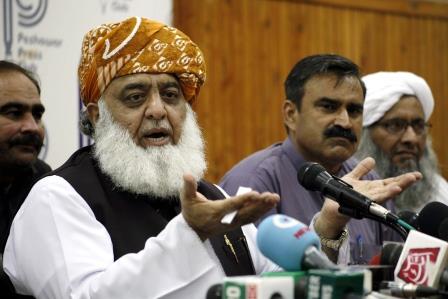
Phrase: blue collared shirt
[275,168]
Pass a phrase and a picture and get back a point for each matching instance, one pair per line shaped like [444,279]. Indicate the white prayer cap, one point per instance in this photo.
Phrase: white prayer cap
[384,89]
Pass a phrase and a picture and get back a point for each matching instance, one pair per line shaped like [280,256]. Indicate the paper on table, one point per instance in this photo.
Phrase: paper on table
[228,218]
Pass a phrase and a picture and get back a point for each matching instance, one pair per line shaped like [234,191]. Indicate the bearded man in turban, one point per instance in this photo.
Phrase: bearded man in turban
[397,108]
[129,217]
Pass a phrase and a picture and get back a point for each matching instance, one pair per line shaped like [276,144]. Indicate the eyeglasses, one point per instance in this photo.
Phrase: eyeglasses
[398,126]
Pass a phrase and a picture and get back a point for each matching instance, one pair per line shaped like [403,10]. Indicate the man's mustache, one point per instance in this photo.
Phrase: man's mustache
[337,131]
[30,139]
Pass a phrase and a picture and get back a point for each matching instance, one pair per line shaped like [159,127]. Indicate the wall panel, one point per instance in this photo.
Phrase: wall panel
[250,46]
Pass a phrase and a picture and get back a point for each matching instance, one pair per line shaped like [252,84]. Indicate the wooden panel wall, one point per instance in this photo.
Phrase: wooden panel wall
[250,46]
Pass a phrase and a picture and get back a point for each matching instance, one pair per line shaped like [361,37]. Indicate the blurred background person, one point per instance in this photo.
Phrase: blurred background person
[21,139]
[396,134]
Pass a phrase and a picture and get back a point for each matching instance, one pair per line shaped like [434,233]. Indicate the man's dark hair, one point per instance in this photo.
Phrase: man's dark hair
[8,66]
[314,65]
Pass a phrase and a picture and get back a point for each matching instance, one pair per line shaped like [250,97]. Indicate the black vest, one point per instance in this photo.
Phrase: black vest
[131,219]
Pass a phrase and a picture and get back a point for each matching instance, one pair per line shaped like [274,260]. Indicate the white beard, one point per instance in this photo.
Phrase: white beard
[417,195]
[156,170]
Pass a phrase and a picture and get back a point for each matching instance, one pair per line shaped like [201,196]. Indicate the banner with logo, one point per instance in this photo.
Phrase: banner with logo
[45,36]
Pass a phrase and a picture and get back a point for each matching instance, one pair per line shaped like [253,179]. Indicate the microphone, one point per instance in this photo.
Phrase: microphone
[383,264]
[294,247]
[433,220]
[390,253]
[291,244]
[408,290]
[380,266]
[409,217]
[214,292]
[291,285]
[314,177]
[242,287]
[340,284]
[422,261]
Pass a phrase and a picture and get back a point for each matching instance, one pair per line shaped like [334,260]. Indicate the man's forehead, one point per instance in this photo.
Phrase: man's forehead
[145,79]
[16,98]
[332,87]
[333,79]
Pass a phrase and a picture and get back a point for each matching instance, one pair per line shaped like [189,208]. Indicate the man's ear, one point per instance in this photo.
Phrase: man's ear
[290,115]
[93,112]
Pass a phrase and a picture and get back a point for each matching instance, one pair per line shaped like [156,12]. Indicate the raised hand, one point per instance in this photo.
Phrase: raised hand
[379,190]
[204,215]
[330,222]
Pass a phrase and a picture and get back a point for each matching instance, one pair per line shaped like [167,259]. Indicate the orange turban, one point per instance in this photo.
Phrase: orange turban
[138,45]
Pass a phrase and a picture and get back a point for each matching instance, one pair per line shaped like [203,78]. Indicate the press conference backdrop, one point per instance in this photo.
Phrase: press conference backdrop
[45,36]
[251,45]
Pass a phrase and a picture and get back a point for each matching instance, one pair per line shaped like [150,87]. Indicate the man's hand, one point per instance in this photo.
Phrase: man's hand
[204,215]
[379,190]
[330,222]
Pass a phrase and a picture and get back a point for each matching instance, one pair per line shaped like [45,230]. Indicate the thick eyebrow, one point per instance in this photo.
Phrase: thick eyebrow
[145,86]
[137,85]
[169,84]
[356,105]
[327,99]
[401,118]
[21,106]
[133,86]
[38,108]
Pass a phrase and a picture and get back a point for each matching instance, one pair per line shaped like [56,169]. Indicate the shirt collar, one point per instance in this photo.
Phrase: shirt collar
[293,155]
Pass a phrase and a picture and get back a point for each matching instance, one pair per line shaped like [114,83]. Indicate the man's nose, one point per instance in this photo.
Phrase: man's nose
[343,119]
[156,107]
[30,123]
[409,135]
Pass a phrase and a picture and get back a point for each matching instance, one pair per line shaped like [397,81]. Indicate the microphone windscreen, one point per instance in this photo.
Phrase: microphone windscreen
[284,240]
[214,292]
[390,253]
[431,217]
[410,218]
[308,173]
[443,230]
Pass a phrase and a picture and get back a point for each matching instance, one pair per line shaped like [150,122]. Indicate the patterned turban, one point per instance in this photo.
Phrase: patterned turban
[385,89]
[138,45]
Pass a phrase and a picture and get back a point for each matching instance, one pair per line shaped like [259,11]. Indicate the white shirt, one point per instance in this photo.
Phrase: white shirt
[441,189]
[439,194]
[344,250]
[57,249]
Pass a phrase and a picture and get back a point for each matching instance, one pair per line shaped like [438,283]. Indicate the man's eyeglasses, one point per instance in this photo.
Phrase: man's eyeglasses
[398,126]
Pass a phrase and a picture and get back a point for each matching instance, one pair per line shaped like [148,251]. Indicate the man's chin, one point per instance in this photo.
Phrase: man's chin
[406,165]
[17,165]
[24,156]
[340,151]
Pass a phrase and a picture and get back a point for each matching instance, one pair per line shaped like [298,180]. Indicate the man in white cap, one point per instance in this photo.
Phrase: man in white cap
[397,108]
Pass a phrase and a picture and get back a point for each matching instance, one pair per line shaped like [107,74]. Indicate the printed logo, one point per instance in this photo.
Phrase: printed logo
[251,291]
[282,221]
[29,13]
[301,232]
[23,48]
[415,266]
